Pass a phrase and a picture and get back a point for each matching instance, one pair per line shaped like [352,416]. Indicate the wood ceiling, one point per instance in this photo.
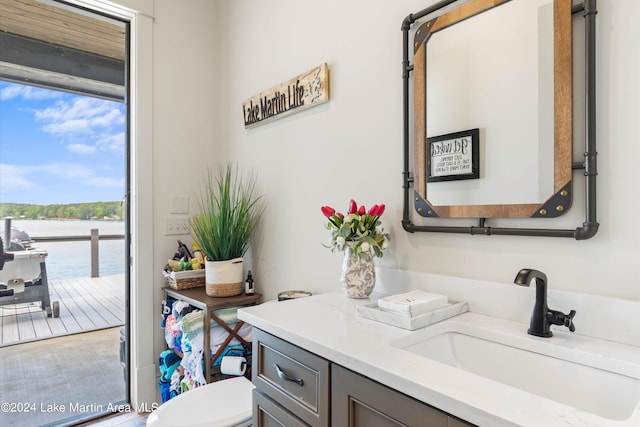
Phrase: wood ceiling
[62,27]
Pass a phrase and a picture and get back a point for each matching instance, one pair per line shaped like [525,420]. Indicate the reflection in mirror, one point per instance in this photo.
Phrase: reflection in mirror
[478,73]
[506,71]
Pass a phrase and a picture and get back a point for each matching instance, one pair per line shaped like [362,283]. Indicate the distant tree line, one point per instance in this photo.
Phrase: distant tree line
[95,210]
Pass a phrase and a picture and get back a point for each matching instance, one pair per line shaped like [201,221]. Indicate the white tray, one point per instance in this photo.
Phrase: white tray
[374,312]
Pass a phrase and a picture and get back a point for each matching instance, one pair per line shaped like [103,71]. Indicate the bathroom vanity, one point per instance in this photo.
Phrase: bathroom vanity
[336,368]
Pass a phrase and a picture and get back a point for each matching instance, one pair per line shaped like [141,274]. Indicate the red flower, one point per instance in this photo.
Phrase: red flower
[353,207]
[327,211]
[359,230]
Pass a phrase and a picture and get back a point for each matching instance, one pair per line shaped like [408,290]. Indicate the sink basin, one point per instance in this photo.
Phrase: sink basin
[595,376]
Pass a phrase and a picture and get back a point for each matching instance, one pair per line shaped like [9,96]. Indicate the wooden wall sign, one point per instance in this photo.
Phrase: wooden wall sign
[304,91]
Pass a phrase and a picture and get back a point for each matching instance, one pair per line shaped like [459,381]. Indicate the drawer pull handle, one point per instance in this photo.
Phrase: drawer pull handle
[286,377]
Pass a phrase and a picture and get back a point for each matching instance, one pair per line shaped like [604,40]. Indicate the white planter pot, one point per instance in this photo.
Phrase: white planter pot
[224,278]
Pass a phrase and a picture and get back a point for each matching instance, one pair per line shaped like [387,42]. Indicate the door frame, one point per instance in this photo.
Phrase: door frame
[139,198]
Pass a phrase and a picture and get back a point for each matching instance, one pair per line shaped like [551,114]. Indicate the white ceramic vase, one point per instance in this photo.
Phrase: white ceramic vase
[358,276]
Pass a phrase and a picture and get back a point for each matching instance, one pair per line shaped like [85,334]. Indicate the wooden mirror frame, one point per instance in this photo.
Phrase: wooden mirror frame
[560,201]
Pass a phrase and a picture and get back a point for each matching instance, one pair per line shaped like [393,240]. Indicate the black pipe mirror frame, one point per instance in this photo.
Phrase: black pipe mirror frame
[559,202]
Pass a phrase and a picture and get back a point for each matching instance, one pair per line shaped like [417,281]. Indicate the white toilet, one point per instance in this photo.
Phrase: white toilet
[223,403]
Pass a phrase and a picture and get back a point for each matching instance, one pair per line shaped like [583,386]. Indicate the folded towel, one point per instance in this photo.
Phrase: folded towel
[412,303]
[192,322]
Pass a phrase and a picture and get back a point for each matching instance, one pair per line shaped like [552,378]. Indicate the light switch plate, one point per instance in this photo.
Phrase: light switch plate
[176,225]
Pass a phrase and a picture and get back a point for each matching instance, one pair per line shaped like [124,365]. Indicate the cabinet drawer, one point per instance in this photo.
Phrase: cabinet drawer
[358,401]
[266,413]
[294,378]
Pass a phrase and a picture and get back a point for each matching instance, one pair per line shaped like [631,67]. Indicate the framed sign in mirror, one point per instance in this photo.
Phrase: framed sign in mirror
[504,69]
[453,156]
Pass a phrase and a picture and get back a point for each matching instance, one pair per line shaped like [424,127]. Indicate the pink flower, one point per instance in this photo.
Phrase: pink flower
[358,229]
[353,207]
[327,211]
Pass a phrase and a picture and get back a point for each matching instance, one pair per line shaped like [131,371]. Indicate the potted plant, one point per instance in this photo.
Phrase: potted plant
[230,206]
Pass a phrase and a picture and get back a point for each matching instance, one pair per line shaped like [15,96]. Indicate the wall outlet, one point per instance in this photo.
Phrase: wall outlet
[176,225]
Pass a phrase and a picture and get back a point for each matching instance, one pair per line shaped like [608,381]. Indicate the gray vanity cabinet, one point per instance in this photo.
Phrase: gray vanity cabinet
[296,388]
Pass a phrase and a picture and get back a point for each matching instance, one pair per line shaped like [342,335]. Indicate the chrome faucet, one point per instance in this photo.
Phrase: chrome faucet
[543,317]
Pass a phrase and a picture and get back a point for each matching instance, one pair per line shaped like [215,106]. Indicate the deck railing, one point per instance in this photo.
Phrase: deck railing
[94,237]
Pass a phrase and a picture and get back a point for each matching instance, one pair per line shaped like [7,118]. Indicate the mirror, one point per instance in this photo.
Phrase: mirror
[493,110]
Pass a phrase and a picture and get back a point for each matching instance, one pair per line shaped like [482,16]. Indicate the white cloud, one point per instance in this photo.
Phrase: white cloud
[104,143]
[82,115]
[113,143]
[15,179]
[35,182]
[81,148]
[23,178]
[11,91]
[106,182]
[67,170]
[67,127]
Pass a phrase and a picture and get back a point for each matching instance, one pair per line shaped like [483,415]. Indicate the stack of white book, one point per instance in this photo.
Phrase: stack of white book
[413,303]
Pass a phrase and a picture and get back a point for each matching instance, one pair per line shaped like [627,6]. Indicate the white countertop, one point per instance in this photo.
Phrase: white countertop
[328,326]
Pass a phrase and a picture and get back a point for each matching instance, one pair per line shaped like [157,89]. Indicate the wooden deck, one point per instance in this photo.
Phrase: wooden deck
[86,304]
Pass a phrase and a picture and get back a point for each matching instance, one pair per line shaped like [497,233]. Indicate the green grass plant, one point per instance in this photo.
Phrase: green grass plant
[230,206]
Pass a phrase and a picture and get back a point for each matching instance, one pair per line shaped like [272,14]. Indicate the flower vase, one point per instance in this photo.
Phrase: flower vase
[358,276]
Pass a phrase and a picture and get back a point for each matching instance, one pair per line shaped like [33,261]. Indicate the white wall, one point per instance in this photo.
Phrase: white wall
[351,147]
[185,129]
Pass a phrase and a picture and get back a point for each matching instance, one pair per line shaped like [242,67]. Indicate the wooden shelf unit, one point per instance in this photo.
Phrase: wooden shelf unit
[198,298]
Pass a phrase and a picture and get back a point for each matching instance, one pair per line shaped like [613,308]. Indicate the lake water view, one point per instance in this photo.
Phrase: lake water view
[68,260]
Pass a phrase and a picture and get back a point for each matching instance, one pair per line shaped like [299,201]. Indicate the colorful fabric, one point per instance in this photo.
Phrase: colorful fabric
[184,332]
[168,362]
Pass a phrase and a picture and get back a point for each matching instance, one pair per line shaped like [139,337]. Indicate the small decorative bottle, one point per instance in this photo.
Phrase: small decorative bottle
[248,285]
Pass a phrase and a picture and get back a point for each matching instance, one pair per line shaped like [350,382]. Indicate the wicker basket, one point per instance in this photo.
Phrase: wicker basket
[224,278]
[186,279]
[224,289]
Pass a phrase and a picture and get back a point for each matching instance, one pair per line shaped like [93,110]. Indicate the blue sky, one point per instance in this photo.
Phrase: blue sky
[57,147]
